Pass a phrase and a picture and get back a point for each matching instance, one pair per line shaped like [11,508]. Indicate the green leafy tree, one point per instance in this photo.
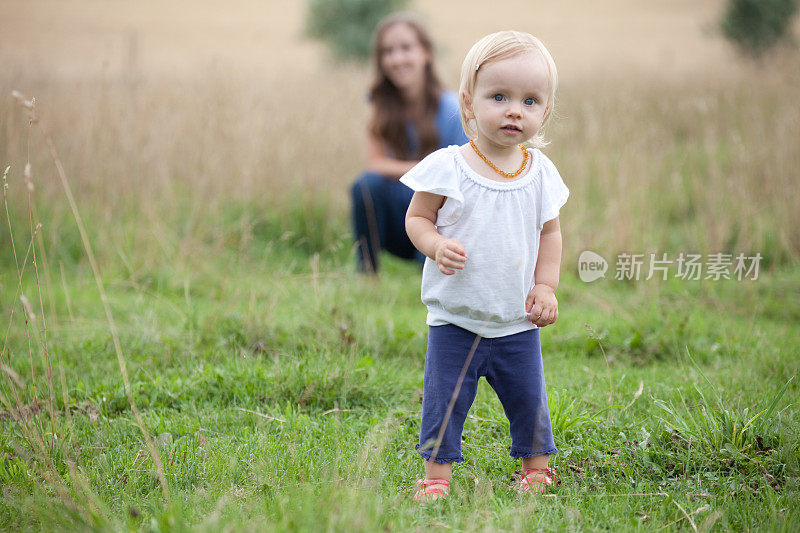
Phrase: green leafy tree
[347,25]
[754,26]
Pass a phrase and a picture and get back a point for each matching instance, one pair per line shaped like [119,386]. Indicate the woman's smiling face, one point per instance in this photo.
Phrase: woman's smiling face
[403,58]
[511,99]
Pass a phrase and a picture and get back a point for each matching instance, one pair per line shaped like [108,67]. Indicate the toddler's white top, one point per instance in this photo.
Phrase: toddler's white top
[499,224]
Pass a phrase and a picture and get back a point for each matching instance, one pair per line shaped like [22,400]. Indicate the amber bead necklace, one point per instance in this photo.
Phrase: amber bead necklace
[525,156]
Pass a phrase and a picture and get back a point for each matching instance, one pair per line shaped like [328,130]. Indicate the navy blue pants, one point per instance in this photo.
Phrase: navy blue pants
[379,220]
[512,365]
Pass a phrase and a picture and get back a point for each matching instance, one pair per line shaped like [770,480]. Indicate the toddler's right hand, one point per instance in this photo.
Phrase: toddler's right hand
[450,256]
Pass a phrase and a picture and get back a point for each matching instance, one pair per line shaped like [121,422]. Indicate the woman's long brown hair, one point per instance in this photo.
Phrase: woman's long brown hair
[388,107]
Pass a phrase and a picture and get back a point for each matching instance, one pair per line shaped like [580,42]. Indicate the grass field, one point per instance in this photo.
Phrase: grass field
[274,388]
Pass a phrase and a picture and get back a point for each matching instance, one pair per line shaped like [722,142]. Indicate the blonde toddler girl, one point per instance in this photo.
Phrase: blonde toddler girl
[486,216]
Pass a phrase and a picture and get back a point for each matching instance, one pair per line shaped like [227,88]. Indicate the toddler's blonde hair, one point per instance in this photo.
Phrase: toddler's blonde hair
[496,47]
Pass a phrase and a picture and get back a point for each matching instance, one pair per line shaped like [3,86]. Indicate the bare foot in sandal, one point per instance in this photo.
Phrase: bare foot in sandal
[431,489]
[537,480]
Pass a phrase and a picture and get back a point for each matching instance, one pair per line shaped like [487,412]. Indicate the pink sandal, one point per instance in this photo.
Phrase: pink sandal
[546,476]
[428,493]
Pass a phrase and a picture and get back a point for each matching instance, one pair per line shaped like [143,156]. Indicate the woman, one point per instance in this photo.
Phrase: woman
[411,117]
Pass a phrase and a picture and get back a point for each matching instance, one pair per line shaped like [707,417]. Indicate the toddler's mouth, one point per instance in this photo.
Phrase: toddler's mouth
[510,128]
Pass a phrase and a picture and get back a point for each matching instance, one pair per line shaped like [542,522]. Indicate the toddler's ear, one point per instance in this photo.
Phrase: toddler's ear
[467,99]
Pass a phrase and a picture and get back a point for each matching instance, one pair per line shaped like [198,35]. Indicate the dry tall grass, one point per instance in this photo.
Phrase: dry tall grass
[703,165]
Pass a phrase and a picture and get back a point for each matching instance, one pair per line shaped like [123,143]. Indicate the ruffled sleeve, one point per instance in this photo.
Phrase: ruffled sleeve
[554,191]
[437,174]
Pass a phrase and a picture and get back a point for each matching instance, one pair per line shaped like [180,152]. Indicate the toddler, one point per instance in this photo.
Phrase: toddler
[486,216]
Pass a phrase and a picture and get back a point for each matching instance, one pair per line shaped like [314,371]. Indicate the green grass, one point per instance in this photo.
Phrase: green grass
[283,393]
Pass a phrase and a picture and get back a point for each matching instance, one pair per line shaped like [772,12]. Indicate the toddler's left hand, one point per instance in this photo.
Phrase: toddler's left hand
[542,305]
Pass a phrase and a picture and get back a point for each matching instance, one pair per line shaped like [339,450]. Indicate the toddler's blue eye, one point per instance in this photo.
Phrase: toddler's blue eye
[530,101]
[498,98]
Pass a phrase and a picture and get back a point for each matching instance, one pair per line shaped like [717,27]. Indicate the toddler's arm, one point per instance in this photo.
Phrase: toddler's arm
[541,302]
[449,254]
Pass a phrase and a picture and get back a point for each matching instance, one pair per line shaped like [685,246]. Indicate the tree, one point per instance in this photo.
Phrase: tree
[347,25]
[754,26]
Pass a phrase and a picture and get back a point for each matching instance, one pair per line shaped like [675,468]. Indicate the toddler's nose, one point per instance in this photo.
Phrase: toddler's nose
[514,110]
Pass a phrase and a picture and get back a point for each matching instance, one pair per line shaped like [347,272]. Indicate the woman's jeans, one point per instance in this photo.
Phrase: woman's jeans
[379,220]
[512,365]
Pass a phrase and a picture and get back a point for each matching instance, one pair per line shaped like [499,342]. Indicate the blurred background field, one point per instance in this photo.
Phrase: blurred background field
[210,148]
[667,138]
